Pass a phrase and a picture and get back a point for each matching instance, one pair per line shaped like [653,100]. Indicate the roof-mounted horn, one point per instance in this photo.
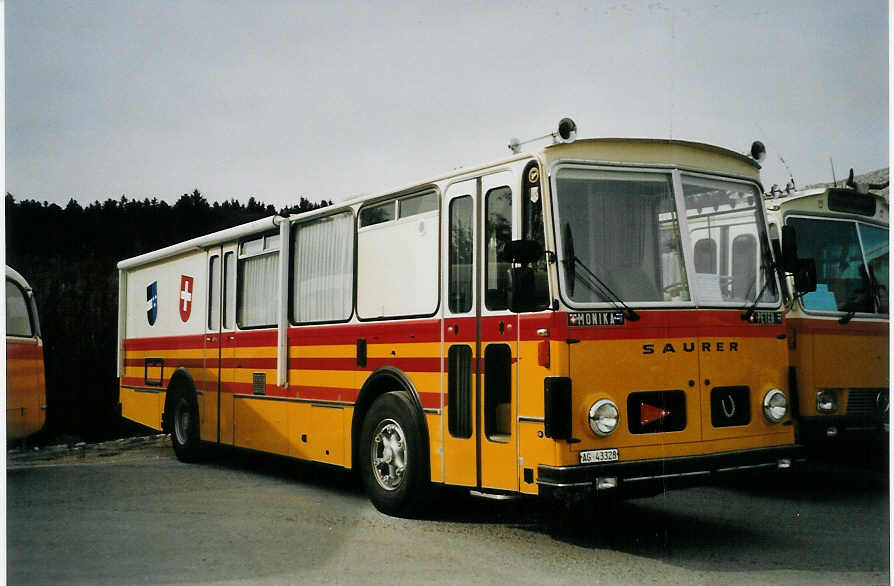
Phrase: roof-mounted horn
[565,133]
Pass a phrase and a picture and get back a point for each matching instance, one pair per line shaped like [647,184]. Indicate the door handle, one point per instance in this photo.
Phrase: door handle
[230,338]
[209,338]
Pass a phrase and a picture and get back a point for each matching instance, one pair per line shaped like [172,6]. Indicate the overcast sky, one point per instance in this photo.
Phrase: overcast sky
[328,100]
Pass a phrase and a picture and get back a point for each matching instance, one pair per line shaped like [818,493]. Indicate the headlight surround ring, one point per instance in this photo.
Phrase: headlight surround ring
[775,406]
[604,417]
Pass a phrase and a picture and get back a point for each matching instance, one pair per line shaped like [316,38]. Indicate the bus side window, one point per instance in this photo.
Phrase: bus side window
[460,255]
[498,392]
[229,291]
[18,318]
[214,293]
[532,229]
[459,391]
[258,282]
[744,266]
[323,269]
[497,234]
[397,260]
[706,256]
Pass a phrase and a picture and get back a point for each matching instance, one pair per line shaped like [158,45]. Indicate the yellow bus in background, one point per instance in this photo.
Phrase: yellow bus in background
[537,325]
[26,397]
[838,335]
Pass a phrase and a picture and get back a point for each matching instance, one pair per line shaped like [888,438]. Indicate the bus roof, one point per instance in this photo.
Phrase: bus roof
[813,191]
[201,242]
[696,155]
[14,275]
[693,155]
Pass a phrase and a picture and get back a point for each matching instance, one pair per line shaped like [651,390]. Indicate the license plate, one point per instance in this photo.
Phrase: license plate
[591,456]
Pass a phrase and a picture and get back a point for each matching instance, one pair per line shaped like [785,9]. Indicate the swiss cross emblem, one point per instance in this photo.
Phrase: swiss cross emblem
[186,293]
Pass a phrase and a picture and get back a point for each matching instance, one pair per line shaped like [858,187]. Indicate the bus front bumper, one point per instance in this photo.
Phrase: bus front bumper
[648,477]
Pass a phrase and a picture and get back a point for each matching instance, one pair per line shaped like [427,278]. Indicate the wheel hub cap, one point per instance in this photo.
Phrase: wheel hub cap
[388,454]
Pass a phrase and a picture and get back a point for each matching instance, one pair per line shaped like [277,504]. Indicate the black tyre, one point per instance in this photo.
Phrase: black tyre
[185,427]
[393,456]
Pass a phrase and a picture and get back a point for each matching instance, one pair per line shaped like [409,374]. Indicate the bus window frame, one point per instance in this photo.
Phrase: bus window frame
[293,240]
[676,173]
[33,324]
[358,229]
[239,258]
[850,218]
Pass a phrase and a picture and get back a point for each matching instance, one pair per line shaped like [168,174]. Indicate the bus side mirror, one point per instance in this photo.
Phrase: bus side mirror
[524,251]
[803,269]
[523,290]
[805,275]
[789,250]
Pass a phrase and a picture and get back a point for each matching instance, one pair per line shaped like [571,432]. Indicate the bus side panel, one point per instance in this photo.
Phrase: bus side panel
[436,449]
[262,425]
[164,324]
[828,355]
[535,449]
[858,359]
[800,345]
[143,407]
[25,388]
[539,357]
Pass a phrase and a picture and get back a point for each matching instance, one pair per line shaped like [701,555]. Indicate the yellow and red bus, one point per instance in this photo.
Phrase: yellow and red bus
[539,325]
[838,335]
[26,396]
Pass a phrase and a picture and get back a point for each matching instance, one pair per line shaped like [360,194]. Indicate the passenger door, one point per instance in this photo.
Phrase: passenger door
[461,334]
[497,336]
[216,403]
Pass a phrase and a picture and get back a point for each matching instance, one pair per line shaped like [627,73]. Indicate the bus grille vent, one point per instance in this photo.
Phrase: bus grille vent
[864,401]
[259,383]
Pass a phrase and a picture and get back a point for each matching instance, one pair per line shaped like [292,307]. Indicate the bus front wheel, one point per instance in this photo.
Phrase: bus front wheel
[392,456]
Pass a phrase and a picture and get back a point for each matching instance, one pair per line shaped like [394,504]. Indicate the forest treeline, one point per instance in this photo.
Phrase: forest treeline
[69,256]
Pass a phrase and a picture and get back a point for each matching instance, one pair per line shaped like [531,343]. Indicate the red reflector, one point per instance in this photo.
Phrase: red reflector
[543,354]
[649,414]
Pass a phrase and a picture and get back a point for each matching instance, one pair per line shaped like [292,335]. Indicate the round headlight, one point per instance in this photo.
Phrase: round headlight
[603,417]
[775,406]
[826,401]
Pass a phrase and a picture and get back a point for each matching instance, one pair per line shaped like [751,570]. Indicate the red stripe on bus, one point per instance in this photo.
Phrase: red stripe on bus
[182,342]
[171,363]
[831,326]
[390,332]
[404,364]
[653,324]
[26,351]
[309,393]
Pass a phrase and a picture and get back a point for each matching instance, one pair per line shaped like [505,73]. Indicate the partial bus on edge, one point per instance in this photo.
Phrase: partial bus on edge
[600,315]
[26,396]
[838,335]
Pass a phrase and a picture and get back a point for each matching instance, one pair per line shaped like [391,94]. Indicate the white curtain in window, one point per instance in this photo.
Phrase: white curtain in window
[324,270]
[259,290]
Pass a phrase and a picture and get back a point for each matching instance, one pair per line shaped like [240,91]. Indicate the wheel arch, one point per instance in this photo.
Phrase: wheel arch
[384,380]
[181,382]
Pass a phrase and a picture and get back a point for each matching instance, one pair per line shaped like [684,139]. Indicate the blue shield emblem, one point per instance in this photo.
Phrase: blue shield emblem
[152,302]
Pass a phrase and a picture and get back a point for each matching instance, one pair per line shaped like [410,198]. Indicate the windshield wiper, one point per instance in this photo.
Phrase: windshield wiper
[749,311]
[602,289]
[847,317]
[769,271]
[853,304]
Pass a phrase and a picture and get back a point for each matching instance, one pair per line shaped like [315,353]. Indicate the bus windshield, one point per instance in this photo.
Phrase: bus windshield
[851,264]
[620,239]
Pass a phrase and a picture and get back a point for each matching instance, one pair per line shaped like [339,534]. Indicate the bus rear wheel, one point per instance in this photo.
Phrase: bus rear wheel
[392,456]
[185,428]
